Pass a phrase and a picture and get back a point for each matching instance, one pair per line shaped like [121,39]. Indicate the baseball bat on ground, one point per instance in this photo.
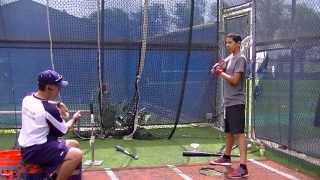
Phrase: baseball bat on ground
[124,151]
[202,154]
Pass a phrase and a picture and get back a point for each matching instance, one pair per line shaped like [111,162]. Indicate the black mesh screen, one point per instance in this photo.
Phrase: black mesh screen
[74,27]
[287,88]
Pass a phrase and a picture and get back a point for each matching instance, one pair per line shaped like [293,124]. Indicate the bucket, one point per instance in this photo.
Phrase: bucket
[9,163]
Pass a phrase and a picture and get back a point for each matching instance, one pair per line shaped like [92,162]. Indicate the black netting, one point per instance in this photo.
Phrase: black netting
[239,25]
[287,88]
[271,96]
[307,18]
[74,27]
[273,20]
[286,95]
[24,38]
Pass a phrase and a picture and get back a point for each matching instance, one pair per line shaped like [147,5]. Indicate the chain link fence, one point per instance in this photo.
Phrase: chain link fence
[287,87]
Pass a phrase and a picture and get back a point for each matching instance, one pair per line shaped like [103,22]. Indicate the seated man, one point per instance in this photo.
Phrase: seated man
[43,124]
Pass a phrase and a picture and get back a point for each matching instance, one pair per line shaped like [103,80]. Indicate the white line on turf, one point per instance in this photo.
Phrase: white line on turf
[273,170]
[179,172]
[111,174]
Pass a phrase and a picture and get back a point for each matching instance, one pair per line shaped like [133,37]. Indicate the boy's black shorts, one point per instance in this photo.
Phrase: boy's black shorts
[235,119]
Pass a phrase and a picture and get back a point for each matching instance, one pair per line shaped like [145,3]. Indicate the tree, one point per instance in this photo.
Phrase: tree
[307,20]
[183,11]
[199,10]
[270,15]
[213,14]
[136,20]
[274,20]
[116,23]
[159,19]
[182,15]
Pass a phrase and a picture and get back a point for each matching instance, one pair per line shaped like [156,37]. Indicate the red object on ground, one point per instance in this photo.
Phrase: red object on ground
[9,163]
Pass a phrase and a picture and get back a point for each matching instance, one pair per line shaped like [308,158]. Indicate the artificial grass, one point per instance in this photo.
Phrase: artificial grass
[156,152]
[293,163]
[7,139]
[161,152]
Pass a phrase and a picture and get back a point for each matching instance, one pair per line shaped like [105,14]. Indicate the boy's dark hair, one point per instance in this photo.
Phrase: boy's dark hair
[235,37]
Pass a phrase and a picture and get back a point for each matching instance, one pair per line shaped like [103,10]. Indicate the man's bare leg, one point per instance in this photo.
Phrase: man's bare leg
[72,160]
[69,143]
[72,143]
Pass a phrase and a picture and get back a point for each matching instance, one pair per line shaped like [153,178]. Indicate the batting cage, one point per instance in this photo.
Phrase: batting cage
[140,69]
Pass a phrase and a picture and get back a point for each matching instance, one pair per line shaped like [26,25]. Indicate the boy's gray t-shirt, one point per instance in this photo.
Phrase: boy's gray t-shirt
[234,95]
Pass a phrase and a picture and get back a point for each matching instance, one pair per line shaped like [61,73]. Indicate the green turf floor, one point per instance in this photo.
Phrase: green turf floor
[156,152]
[160,152]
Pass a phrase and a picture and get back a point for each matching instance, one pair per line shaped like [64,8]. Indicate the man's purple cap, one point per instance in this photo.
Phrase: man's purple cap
[51,77]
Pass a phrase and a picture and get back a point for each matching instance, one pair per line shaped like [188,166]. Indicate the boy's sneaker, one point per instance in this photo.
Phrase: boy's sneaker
[222,161]
[238,173]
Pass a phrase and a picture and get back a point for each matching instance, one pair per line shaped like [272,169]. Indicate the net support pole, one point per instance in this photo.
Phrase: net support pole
[102,85]
[221,53]
[101,40]
[291,78]
[140,67]
[186,68]
[253,70]
[100,54]
[50,35]
[93,161]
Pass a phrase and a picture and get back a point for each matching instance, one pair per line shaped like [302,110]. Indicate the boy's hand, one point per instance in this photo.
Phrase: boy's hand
[218,71]
[218,67]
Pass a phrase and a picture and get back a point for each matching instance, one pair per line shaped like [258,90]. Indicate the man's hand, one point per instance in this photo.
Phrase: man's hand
[77,116]
[63,110]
